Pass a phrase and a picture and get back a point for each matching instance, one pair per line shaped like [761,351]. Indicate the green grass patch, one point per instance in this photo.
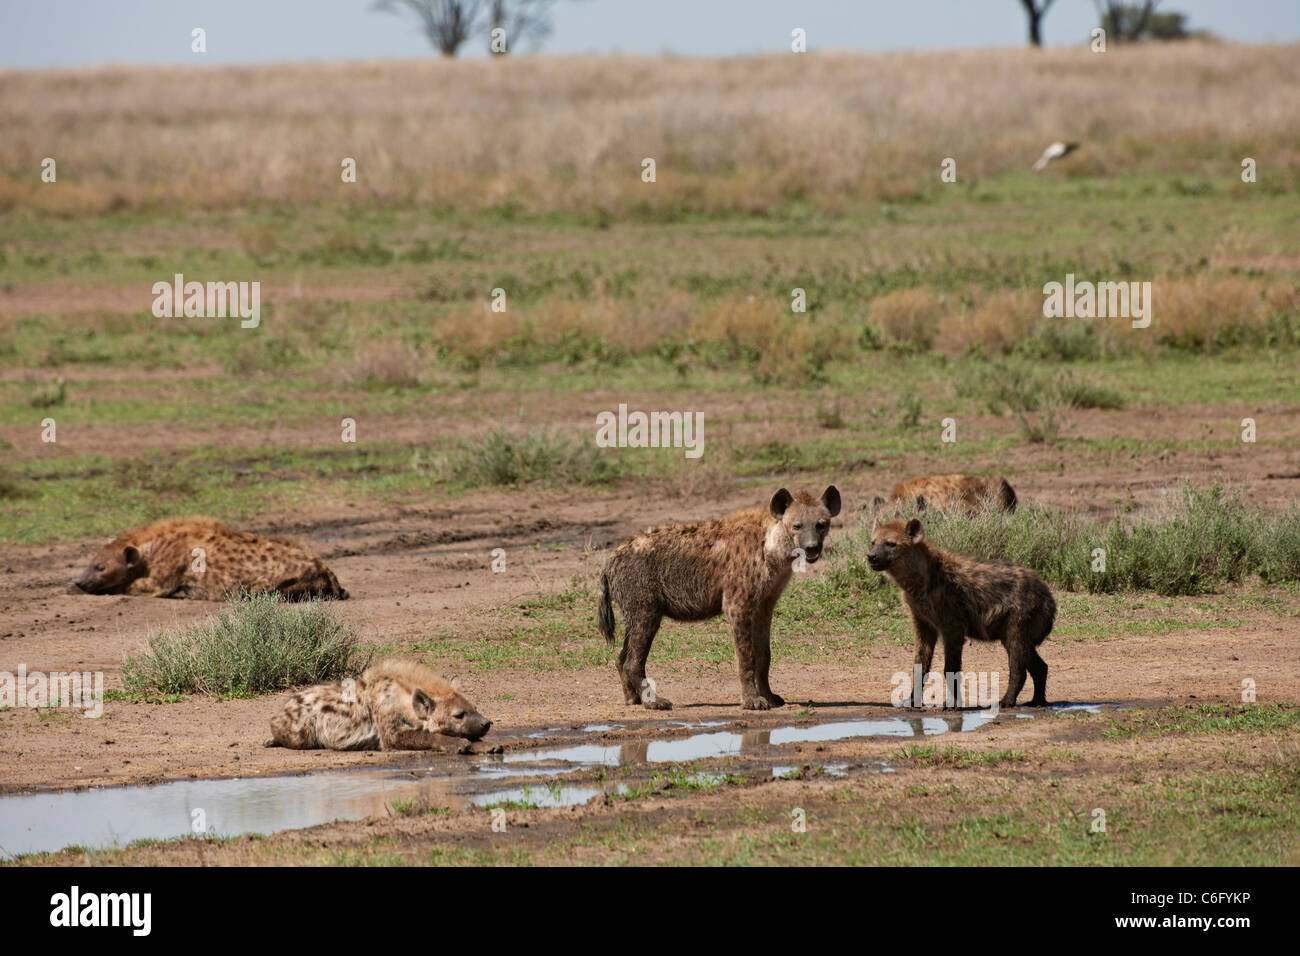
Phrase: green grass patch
[1206,719]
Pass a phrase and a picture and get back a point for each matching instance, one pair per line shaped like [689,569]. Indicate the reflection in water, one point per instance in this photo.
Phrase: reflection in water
[724,743]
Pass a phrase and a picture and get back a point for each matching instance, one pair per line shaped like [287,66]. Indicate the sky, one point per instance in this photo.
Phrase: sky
[87,32]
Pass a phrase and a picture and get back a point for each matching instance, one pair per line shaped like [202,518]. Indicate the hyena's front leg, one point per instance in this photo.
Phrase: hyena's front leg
[926,637]
[396,734]
[952,689]
[743,627]
[763,659]
[641,625]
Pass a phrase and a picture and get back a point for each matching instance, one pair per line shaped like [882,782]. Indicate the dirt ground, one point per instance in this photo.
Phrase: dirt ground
[411,568]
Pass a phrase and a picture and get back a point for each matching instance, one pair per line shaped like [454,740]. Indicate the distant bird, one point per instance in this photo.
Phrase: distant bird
[1053,152]
[49,396]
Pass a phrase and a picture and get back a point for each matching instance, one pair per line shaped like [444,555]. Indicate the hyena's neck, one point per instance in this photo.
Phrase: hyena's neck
[918,575]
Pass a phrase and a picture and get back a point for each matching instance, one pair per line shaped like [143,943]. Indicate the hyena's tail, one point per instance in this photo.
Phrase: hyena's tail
[606,610]
[1007,496]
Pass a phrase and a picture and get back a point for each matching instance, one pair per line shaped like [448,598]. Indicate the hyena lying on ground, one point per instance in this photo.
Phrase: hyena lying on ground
[955,597]
[969,493]
[396,705]
[737,565]
[201,558]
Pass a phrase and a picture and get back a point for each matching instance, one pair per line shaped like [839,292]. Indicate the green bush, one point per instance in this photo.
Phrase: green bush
[259,644]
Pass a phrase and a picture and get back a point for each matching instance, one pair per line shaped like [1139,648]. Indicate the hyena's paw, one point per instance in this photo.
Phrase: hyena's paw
[755,703]
[1006,702]
[775,700]
[269,742]
[650,696]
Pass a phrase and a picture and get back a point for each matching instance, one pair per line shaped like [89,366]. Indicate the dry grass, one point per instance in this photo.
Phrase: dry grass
[999,322]
[569,133]
[909,317]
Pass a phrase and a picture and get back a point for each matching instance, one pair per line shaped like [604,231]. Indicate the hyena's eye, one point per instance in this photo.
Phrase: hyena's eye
[99,567]
[798,526]
[458,715]
[889,544]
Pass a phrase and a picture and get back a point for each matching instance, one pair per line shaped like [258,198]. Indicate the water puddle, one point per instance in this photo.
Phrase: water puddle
[117,816]
[726,743]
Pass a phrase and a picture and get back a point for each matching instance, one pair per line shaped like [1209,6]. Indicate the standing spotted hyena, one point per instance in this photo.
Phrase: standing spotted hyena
[954,597]
[737,566]
[396,705]
[202,559]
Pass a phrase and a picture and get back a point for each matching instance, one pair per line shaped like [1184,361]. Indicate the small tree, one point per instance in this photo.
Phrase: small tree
[520,20]
[447,23]
[1125,22]
[1036,10]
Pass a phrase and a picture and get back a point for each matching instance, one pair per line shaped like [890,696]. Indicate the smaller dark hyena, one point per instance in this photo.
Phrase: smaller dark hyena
[737,565]
[396,705]
[955,597]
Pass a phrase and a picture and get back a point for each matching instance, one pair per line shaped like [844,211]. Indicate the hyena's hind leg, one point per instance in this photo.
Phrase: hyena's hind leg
[640,625]
[1038,671]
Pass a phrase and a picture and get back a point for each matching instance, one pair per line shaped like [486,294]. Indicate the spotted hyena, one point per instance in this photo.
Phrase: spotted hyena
[954,597]
[969,493]
[201,558]
[396,705]
[737,566]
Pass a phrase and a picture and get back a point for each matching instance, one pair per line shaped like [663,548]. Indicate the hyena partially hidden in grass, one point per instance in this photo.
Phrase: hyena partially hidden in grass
[737,565]
[396,705]
[954,597]
[963,493]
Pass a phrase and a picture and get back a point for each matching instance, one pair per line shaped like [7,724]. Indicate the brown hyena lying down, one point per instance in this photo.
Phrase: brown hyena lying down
[969,493]
[396,705]
[737,565]
[201,558]
[955,597]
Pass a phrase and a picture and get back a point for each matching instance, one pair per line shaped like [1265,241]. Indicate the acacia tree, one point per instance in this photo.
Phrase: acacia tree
[1125,22]
[521,20]
[448,24]
[1036,10]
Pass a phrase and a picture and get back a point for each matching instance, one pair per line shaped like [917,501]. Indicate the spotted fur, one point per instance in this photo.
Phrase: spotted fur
[737,565]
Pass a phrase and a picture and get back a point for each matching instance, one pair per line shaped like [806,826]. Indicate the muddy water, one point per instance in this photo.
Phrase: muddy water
[116,816]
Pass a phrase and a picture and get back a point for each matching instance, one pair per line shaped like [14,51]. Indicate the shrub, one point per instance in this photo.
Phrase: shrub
[259,644]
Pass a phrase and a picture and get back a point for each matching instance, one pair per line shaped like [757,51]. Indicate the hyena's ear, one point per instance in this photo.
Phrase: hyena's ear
[831,499]
[914,530]
[131,556]
[423,704]
[455,682]
[877,502]
[921,503]
[780,501]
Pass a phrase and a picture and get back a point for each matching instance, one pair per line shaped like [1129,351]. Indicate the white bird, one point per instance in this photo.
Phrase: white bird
[1055,151]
